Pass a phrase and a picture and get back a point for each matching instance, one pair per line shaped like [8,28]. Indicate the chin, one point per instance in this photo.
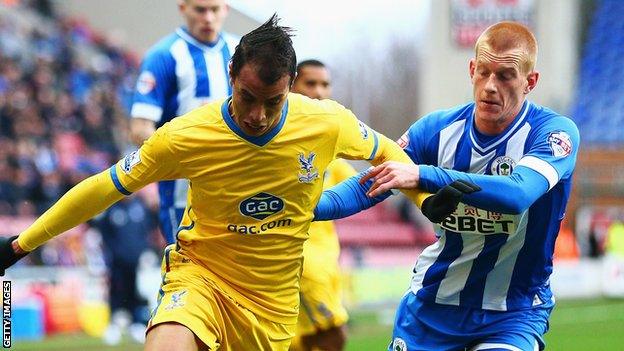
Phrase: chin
[254,133]
[490,111]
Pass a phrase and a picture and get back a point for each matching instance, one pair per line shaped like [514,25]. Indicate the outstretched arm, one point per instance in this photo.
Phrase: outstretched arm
[82,202]
[350,197]
[346,198]
[154,161]
[524,183]
[355,140]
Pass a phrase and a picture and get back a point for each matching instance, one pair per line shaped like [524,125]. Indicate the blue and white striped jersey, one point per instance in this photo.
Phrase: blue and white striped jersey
[179,74]
[487,257]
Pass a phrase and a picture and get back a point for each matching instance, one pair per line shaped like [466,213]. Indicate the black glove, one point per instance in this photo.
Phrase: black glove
[441,204]
[8,257]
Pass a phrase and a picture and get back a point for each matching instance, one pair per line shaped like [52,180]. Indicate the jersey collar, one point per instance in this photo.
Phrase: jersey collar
[256,140]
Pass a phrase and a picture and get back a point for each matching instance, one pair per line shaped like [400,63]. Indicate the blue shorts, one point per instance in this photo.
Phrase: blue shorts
[170,219]
[423,325]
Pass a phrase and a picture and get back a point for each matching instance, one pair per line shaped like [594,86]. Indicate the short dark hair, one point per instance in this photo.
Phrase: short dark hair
[269,47]
[311,62]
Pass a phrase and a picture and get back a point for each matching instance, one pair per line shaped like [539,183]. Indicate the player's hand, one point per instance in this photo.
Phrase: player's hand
[8,257]
[441,204]
[391,175]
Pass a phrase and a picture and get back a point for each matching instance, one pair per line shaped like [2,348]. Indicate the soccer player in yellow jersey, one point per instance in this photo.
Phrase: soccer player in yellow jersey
[255,163]
[322,317]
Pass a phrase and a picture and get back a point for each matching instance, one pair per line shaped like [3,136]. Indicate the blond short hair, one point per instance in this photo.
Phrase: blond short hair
[507,35]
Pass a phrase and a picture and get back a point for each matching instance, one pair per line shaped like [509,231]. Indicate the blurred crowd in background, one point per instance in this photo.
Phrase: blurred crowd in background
[62,115]
[65,93]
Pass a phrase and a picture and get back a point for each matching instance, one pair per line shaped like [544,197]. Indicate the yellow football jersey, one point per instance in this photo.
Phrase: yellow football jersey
[251,199]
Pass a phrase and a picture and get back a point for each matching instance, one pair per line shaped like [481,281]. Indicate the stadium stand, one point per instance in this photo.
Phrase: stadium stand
[64,92]
[599,108]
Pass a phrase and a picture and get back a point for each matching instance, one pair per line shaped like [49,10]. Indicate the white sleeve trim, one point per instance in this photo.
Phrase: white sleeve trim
[147,111]
[542,167]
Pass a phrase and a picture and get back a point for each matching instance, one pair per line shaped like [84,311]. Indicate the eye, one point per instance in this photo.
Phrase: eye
[505,76]
[246,97]
[273,102]
[482,72]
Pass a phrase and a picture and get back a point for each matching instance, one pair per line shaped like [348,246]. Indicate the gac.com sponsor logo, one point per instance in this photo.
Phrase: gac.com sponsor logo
[261,206]
[260,228]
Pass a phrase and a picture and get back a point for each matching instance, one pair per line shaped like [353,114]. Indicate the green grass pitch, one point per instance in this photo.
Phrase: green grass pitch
[596,324]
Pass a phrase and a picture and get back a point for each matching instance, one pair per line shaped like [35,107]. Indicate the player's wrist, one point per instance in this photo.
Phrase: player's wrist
[10,252]
[17,249]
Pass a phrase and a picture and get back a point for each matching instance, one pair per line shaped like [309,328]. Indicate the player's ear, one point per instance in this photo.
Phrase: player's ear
[471,67]
[532,79]
[230,74]
[292,81]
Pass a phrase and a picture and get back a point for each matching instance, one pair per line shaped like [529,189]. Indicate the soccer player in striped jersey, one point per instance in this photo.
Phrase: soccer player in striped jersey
[484,285]
[183,71]
[322,316]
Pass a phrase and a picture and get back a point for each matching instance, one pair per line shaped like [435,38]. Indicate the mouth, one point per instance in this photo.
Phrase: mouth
[490,103]
[255,129]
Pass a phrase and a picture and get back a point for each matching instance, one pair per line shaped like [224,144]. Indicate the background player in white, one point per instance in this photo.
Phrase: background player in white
[184,70]
[484,285]
[322,317]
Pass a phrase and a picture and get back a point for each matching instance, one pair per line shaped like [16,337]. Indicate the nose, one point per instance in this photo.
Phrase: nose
[490,84]
[257,115]
[318,92]
[209,16]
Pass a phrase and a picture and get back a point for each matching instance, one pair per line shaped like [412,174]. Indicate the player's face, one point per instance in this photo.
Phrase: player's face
[256,106]
[204,18]
[500,87]
[314,82]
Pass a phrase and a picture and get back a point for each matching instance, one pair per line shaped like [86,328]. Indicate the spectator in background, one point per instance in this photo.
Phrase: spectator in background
[125,228]
[566,247]
[184,70]
[322,317]
[614,244]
